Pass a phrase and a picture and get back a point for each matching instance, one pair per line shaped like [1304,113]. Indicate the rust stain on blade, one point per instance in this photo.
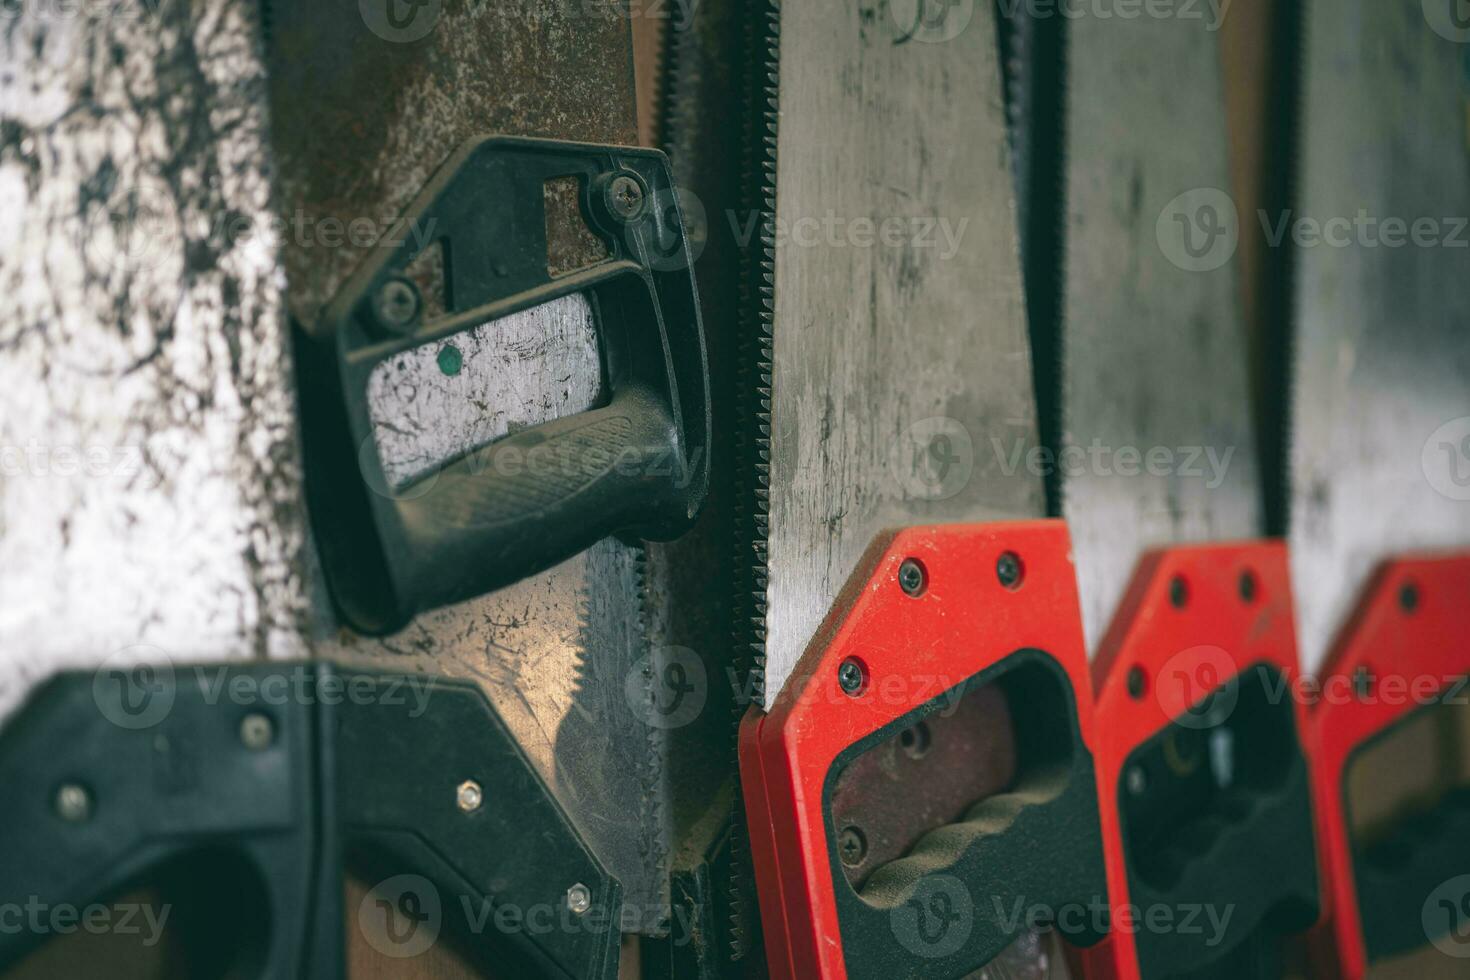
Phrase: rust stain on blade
[365,109]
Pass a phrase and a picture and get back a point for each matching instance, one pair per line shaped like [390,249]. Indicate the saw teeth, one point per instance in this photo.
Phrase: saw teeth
[1289,43]
[1034,70]
[753,449]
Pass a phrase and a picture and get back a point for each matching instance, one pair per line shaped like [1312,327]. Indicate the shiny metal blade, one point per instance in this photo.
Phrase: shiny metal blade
[901,375]
[1156,439]
[1380,458]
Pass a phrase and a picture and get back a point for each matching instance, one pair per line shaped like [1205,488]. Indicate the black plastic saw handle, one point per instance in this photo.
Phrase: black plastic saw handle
[636,465]
[162,772]
[1402,879]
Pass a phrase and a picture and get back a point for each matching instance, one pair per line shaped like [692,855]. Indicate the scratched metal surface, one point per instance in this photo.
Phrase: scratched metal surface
[149,487]
[555,653]
[1381,416]
[444,399]
[900,365]
[365,111]
[1154,347]
[559,655]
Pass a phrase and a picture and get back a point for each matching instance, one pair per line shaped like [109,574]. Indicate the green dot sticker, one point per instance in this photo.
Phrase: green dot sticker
[450,360]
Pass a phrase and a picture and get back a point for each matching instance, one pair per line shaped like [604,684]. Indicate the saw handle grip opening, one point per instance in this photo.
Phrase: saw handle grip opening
[1409,845]
[635,464]
[1033,840]
[1216,807]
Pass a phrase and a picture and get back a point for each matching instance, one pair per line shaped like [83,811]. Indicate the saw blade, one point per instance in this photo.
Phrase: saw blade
[150,471]
[704,65]
[889,377]
[563,655]
[1380,460]
[1157,445]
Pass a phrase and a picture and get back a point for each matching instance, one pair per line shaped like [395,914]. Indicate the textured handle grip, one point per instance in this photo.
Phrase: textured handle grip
[537,497]
[638,466]
[1399,878]
[968,889]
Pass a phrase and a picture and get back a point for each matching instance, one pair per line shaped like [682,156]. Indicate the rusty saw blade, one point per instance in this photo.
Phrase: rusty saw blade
[395,89]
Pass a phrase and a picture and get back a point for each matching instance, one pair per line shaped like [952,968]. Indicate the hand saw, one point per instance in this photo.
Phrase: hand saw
[1206,797]
[1379,520]
[892,566]
[525,647]
[555,651]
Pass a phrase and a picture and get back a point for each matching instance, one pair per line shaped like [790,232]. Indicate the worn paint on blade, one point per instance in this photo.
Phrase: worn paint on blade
[386,106]
[149,477]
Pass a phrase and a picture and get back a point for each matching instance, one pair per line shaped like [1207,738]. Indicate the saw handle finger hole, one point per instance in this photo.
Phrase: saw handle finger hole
[1407,797]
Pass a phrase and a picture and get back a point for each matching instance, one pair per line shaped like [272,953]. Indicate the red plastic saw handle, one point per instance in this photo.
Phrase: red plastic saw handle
[1409,635]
